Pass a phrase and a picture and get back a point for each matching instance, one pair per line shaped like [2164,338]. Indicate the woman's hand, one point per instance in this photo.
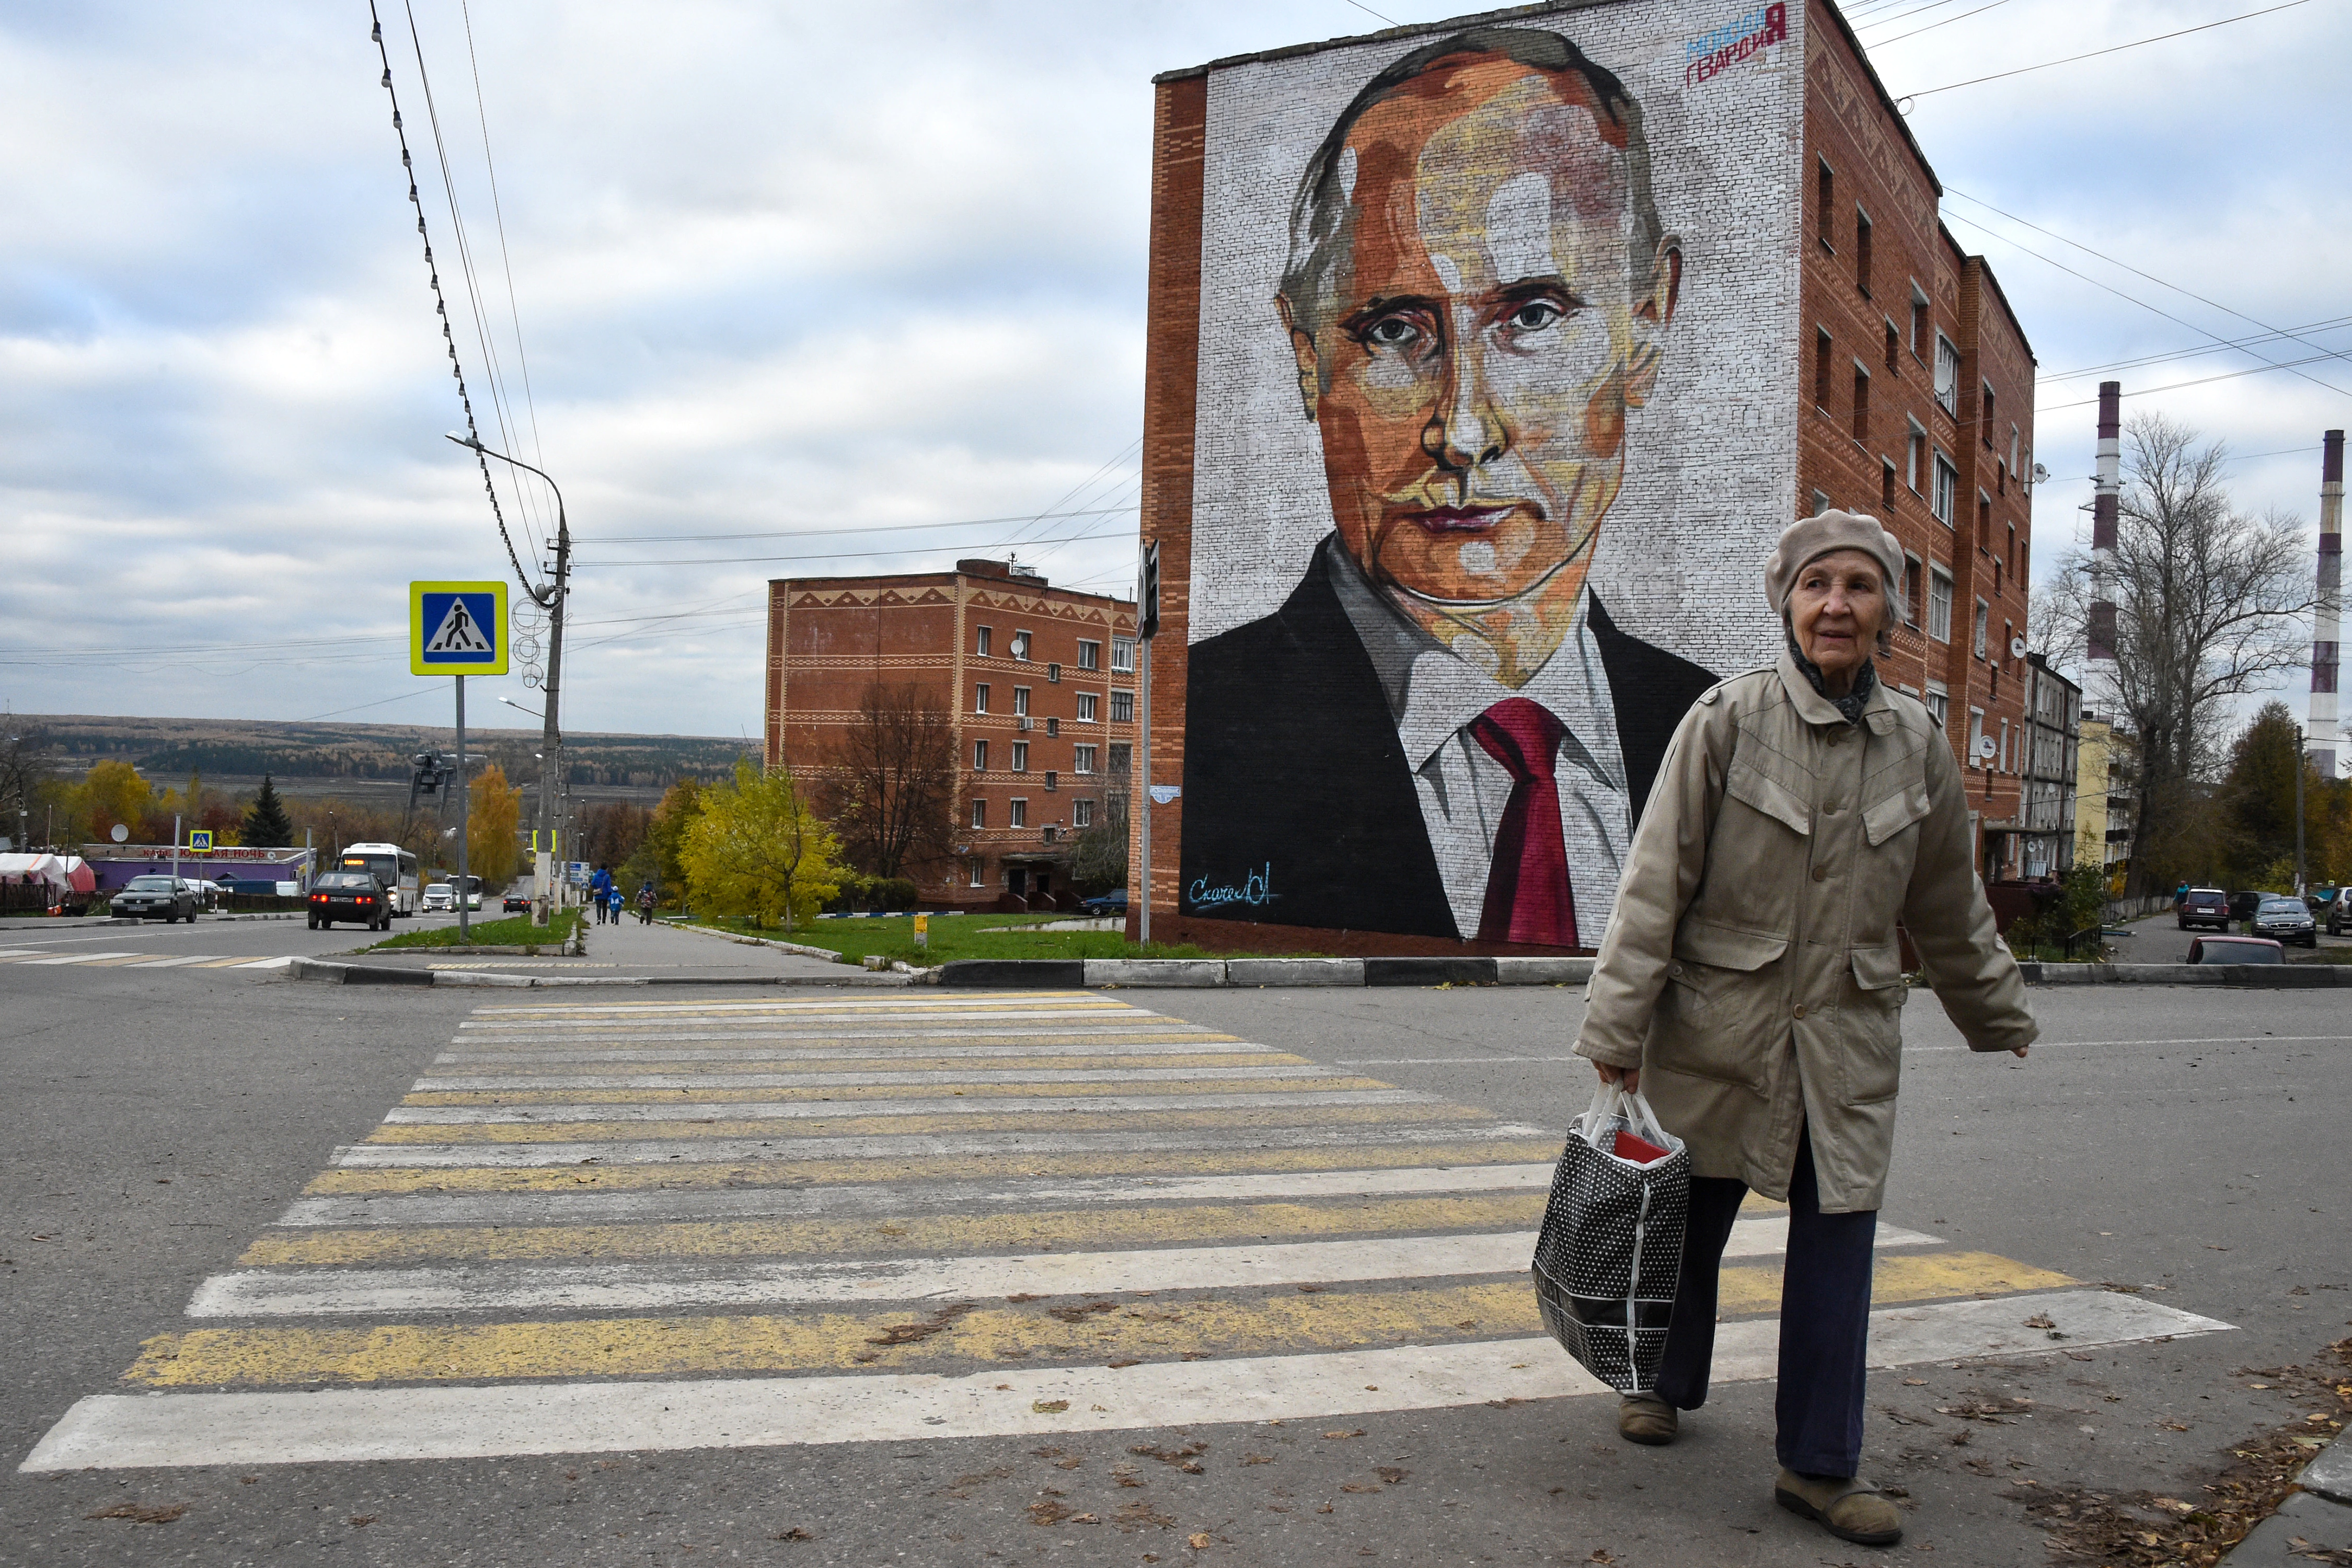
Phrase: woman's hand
[2019,1053]
[1629,1078]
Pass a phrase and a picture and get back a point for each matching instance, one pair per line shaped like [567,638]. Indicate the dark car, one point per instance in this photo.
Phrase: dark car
[354,896]
[2284,919]
[2205,907]
[166,898]
[2243,905]
[2235,950]
[1111,903]
[517,904]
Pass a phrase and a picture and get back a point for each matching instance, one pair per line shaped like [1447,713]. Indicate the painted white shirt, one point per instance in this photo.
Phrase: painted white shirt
[1435,694]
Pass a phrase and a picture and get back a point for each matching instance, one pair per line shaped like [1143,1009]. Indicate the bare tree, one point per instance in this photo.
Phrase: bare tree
[2210,604]
[890,781]
[1098,861]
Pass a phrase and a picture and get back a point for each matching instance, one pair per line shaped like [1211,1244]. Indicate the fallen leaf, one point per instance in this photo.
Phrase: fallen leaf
[137,1513]
[1049,1406]
[1198,1540]
[2039,1320]
[365,1519]
[794,1533]
[1336,1436]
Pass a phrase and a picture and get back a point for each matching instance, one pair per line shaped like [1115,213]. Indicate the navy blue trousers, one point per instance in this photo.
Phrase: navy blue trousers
[1824,1318]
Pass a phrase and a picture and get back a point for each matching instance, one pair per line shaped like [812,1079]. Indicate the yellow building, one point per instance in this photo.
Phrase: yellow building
[2103,804]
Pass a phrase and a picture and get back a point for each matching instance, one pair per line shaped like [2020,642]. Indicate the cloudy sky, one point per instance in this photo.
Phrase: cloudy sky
[791,280]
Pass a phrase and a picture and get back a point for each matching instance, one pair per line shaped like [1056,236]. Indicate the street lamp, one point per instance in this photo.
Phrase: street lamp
[550,733]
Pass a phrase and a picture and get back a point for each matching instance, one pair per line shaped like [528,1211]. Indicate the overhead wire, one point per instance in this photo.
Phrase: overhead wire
[2095,54]
[2141,361]
[1994,4]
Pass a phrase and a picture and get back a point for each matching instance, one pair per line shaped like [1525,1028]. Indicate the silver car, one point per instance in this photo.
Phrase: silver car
[2283,919]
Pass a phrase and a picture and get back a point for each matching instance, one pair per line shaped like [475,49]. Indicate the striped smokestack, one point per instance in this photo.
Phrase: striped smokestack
[2320,739]
[2105,503]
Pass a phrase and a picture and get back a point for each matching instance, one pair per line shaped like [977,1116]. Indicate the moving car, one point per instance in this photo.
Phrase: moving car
[2235,950]
[2205,907]
[440,897]
[517,903]
[2284,919]
[1111,903]
[354,896]
[150,898]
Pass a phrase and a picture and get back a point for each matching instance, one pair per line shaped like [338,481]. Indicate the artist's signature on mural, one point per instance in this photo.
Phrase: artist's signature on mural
[1743,38]
[1256,889]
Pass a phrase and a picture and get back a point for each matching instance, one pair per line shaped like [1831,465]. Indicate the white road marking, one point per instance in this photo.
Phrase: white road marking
[651,1056]
[76,957]
[617,1287]
[175,963]
[975,1074]
[333,1426]
[505,1115]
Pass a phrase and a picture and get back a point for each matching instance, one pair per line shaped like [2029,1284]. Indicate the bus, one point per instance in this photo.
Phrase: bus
[394,867]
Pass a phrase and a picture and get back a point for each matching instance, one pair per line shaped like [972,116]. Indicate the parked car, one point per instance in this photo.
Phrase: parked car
[517,904]
[1111,903]
[2284,919]
[2339,913]
[354,896]
[2243,905]
[2205,907]
[2235,950]
[150,897]
[440,897]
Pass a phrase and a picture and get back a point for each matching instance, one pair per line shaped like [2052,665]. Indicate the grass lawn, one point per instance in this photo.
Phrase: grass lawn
[514,932]
[967,936]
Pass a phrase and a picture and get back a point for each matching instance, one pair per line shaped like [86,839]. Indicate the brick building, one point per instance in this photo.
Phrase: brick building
[1795,329]
[1039,683]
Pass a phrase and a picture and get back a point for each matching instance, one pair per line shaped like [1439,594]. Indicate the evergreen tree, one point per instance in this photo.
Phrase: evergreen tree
[266,822]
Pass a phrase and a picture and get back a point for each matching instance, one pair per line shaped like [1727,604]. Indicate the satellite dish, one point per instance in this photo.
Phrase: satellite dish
[2017,648]
[2040,475]
[120,833]
[1985,748]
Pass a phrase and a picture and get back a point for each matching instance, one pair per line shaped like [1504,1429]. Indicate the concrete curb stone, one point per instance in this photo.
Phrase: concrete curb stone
[2330,1474]
[384,975]
[2309,1516]
[744,939]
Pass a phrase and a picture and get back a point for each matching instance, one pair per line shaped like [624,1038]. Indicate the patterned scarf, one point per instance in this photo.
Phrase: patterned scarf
[1866,682]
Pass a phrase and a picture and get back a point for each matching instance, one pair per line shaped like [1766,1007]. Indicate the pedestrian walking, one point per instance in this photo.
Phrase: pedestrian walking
[600,892]
[1751,986]
[612,901]
[645,905]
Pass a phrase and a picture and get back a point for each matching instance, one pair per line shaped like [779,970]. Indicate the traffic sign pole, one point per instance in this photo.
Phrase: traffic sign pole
[463,930]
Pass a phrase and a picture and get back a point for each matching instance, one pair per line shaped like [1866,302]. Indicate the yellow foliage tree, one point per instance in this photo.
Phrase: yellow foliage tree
[493,814]
[756,848]
[109,793]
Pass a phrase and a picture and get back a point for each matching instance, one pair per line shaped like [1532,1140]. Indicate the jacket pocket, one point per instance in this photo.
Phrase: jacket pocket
[1896,812]
[1710,1022]
[1870,1062]
[1751,787]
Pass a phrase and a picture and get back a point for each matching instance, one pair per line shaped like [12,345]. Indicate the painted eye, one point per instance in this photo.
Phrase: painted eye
[1392,333]
[1535,316]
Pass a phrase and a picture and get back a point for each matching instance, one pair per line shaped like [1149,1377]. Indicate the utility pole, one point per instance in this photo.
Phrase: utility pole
[547,864]
[1147,626]
[464,933]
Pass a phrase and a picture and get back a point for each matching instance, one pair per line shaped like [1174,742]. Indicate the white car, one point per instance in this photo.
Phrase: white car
[440,897]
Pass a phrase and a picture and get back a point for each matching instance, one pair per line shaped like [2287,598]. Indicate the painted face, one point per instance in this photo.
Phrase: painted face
[1473,375]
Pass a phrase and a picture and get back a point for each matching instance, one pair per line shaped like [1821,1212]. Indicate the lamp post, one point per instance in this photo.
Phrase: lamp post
[550,733]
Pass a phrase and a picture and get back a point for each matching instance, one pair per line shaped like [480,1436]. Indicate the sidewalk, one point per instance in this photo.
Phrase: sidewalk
[629,951]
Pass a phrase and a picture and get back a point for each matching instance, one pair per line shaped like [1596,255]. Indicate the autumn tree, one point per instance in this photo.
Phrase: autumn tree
[23,772]
[493,814]
[890,781]
[2257,800]
[756,848]
[2208,604]
[1098,859]
[266,822]
[111,793]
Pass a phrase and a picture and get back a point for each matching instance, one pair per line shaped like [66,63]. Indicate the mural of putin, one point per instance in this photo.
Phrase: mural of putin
[1439,732]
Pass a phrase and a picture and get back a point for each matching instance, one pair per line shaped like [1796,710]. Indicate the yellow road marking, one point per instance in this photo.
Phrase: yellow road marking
[961,1234]
[225,962]
[350,1183]
[655,1051]
[1162,1329]
[812,1065]
[849,1124]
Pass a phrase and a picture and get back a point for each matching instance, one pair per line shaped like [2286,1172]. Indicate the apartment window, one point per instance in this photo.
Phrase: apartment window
[1827,203]
[1947,490]
[979,698]
[1947,376]
[1984,521]
[1939,604]
[1052,779]
[1918,321]
[979,812]
[1017,811]
[2008,636]
[1053,675]
[979,756]
[2013,453]
[1996,576]
[2004,745]
[1052,726]
[1984,413]
[1893,343]
[1122,756]
[1082,814]
[1862,250]
[1860,403]
[1914,449]
[1122,707]
[1820,502]
[1939,701]
[1020,701]
[1976,736]
[1886,485]
[2016,556]
[1913,587]
[1822,368]
[1086,760]
[1089,656]
[1122,653]
[1086,701]
[1021,751]
[1020,648]
[978,870]
[1983,612]
[981,639]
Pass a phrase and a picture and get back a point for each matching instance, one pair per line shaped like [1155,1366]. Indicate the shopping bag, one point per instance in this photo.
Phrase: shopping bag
[1612,1244]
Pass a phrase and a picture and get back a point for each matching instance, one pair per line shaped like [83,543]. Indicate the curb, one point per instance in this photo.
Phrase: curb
[334,973]
[744,939]
[1206,973]
[2252,977]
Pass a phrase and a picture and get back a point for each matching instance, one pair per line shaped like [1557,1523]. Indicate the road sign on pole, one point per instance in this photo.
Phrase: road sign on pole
[201,838]
[458,629]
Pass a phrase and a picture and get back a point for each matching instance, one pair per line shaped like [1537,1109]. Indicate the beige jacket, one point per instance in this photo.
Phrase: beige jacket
[1752,970]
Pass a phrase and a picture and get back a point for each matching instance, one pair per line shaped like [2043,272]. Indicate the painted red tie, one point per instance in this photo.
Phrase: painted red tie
[1528,894]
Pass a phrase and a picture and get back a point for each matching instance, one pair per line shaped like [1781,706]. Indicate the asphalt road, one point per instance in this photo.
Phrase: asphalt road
[2187,1142]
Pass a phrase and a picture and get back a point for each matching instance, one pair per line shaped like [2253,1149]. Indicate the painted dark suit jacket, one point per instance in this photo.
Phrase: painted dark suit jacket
[1299,807]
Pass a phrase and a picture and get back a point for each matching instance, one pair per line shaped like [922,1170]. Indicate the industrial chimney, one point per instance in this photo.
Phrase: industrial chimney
[2319,739]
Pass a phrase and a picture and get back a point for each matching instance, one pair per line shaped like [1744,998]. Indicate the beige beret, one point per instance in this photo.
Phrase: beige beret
[1814,537]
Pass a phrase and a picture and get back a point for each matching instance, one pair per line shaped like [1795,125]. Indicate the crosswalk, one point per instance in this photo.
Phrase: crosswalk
[33,957]
[632,1226]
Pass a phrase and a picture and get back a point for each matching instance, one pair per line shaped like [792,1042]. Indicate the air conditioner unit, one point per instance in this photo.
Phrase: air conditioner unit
[1024,722]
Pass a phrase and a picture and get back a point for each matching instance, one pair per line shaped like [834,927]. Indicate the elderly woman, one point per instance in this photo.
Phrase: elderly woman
[1752,984]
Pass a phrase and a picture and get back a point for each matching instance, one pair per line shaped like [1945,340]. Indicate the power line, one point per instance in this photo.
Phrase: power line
[2143,361]
[821,532]
[2095,54]
[834,556]
[498,212]
[2201,381]
[1933,25]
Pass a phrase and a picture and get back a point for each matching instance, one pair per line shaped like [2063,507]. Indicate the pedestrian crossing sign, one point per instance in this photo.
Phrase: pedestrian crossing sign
[201,838]
[458,629]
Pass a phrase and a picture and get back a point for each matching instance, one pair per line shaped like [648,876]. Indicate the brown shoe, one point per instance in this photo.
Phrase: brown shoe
[1846,1509]
[1646,1418]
